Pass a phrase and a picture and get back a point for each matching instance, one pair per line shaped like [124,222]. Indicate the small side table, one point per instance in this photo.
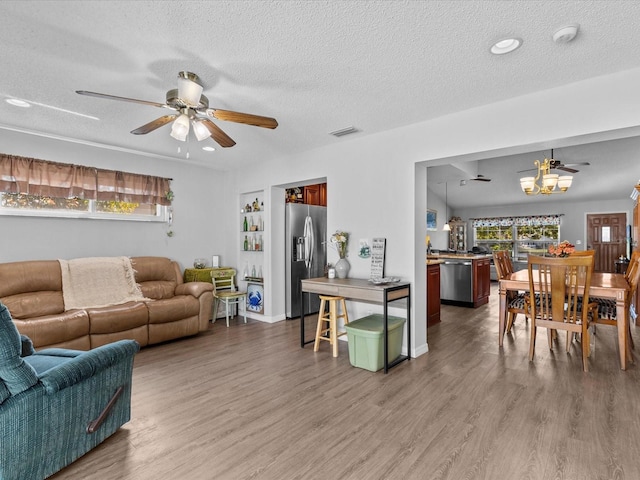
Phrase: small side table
[201,274]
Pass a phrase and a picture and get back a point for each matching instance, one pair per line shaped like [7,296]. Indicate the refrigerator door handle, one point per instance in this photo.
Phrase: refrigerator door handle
[308,241]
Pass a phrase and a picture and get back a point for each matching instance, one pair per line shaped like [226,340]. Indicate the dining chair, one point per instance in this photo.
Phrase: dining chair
[560,285]
[606,312]
[515,299]
[226,291]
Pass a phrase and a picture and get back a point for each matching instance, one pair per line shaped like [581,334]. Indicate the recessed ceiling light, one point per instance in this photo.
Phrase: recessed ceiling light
[17,103]
[209,149]
[506,45]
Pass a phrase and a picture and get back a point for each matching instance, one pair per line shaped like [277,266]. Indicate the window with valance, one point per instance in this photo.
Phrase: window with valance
[29,185]
[529,220]
[520,235]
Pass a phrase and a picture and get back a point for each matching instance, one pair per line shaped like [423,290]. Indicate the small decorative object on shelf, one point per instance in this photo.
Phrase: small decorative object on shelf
[340,240]
[199,263]
[563,249]
[365,250]
[378,251]
[245,273]
[256,206]
[245,225]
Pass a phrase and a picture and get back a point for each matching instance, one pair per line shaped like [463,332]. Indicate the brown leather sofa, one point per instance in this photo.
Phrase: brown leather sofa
[32,291]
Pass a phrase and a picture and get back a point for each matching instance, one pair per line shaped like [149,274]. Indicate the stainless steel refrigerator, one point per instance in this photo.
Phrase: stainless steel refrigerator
[306,253]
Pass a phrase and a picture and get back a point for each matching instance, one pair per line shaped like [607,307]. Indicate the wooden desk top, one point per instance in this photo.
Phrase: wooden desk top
[356,288]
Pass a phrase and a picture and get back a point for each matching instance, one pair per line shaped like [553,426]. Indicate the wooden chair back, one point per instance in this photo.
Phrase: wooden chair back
[632,267]
[224,280]
[557,281]
[633,275]
[560,286]
[503,263]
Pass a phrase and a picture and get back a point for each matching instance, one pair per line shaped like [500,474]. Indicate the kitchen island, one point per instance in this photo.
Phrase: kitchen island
[465,278]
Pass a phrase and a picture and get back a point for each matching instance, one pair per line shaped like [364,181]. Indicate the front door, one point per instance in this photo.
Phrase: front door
[606,234]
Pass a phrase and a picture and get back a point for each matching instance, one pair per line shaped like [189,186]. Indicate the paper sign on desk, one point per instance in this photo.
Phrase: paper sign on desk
[377,257]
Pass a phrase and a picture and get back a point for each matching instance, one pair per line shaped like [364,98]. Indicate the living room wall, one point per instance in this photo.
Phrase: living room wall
[375,186]
[196,224]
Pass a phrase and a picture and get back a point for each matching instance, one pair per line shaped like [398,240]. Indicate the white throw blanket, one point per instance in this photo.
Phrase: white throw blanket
[98,282]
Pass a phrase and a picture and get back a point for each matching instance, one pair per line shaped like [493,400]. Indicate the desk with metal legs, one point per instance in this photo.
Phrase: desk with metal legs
[362,290]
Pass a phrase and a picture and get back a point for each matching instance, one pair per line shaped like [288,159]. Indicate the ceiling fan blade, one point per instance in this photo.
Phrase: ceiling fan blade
[247,118]
[157,123]
[217,134]
[527,170]
[566,169]
[576,164]
[481,178]
[124,99]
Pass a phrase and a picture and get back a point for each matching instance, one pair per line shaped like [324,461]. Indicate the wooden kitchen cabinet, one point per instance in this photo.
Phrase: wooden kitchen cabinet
[482,283]
[315,194]
[636,239]
[433,294]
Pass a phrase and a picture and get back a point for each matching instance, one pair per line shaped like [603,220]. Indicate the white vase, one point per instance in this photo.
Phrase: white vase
[342,268]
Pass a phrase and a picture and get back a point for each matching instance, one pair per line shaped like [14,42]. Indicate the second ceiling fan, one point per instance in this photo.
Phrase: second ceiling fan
[558,165]
[191,108]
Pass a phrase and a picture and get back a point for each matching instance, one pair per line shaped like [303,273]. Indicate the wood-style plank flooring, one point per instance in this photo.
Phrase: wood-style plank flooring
[246,402]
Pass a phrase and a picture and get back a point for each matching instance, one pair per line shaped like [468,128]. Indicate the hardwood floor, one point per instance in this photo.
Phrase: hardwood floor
[246,402]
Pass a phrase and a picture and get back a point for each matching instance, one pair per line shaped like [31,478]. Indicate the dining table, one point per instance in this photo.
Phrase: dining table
[604,285]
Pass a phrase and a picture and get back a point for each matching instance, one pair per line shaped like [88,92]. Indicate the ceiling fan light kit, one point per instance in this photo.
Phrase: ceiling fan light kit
[189,103]
[180,128]
[532,185]
[189,89]
[200,130]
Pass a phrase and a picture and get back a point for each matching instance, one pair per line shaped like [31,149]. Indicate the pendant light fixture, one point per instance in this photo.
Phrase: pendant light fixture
[446,227]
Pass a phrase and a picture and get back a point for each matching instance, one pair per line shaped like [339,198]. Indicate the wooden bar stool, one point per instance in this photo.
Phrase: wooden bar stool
[331,317]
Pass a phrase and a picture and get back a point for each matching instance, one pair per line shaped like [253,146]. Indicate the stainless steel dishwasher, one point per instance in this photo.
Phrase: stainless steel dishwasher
[456,280]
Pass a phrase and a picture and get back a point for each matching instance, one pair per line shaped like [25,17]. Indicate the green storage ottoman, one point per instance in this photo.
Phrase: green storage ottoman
[366,342]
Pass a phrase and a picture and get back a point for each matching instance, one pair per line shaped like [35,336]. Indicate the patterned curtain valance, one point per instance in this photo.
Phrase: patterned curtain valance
[529,220]
[32,176]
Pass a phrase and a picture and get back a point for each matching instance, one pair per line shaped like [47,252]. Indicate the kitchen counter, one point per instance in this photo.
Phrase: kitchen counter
[468,256]
[434,261]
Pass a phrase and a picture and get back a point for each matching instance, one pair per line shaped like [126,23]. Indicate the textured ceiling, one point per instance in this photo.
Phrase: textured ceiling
[316,66]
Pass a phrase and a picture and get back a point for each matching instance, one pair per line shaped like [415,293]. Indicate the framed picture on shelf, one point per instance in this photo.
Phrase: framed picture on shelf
[432,219]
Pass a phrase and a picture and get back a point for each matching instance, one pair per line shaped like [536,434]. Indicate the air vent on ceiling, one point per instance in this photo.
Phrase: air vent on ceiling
[344,131]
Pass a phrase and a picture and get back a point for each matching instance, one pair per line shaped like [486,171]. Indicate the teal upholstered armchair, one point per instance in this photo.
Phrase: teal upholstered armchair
[57,404]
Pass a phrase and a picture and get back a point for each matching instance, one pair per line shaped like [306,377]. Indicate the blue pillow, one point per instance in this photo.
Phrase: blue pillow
[17,375]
